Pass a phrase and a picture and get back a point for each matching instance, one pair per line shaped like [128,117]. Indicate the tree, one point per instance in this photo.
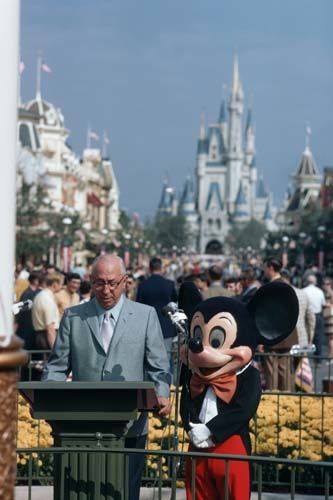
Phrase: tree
[249,235]
[168,231]
[31,233]
[39,227]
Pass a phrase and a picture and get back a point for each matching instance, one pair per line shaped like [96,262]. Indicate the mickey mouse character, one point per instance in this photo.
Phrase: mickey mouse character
[223,389]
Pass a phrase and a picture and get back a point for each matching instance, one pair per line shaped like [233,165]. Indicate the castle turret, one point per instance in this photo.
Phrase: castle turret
[235,150]
[241,213]
[223,122]
[187,199]
[188,210]
[249,139]
[167,202]
[202,155]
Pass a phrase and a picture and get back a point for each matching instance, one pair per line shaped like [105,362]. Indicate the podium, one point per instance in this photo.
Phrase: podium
[89,415]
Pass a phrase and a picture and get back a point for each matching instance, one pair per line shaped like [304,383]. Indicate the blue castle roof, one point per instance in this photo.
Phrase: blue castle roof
[166,198]
[261,189]
[188,192]
[240,198]
[268,214]
[222,116]
[203,146]
[214,191]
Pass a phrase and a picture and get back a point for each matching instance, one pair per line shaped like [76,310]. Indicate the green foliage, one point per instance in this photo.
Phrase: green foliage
[249,235]
[168,231]
[31,233]
[39,227]
[310,221]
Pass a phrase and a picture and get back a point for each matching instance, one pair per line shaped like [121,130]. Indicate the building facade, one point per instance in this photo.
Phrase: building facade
[303,195]
[84,185]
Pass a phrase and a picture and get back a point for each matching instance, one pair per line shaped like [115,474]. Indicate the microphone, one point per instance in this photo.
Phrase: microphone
[24,305]
[176,316]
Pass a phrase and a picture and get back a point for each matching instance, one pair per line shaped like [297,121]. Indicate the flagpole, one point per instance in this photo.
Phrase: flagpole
[38,76]
[104,145]
[11,354]
[88,137]
[19,85]
[307,136]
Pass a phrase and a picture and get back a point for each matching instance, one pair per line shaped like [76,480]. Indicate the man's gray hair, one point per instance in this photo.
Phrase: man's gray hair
[312,279]
[108,258]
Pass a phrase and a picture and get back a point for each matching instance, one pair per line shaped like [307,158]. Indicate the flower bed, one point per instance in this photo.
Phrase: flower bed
[285,427]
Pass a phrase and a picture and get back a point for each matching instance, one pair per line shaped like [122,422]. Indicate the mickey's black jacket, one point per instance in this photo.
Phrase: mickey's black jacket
[233,417]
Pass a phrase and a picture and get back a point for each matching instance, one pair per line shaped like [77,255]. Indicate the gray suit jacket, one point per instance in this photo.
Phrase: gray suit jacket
[136,351]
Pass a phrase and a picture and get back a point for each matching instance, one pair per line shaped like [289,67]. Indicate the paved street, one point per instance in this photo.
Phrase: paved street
[45,493]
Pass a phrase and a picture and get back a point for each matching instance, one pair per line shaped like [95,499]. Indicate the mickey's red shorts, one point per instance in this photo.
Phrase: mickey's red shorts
[210,474]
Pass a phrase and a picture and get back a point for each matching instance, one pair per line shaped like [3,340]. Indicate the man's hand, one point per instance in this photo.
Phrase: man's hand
[200,435]
[165,407]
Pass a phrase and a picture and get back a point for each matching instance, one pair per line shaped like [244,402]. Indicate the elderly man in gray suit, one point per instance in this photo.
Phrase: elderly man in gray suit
[112,338]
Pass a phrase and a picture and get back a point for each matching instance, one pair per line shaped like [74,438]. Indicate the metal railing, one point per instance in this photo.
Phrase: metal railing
[294,425]
[269,474]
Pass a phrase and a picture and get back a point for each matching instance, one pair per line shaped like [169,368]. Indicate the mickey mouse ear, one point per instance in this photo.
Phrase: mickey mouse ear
[189,298]
[274,309]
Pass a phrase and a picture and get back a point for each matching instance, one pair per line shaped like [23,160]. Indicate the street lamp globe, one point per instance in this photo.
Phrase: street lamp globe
[67,221]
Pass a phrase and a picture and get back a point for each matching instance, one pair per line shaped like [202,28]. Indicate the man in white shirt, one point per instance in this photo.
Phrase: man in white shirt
[317,302]
[45,314]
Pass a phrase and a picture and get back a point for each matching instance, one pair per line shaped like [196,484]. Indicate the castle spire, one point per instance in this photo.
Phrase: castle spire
[222,117]
[248,120]
[235,80]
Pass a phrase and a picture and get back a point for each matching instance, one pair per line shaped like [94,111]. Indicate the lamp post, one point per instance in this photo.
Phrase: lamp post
[321,238]
[104,232]
[66,251]
[285,241]
[302,237]
[127,255]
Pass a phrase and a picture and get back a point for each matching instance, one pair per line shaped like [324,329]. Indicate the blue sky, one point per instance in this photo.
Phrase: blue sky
[144,70]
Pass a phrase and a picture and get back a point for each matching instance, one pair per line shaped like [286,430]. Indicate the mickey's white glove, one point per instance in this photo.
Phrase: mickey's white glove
[206,444]
[200,435]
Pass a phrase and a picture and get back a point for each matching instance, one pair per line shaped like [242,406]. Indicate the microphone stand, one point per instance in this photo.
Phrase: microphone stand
[182,331]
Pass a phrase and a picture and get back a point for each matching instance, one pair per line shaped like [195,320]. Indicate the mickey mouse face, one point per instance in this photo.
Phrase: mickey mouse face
[224,332]
[209,348]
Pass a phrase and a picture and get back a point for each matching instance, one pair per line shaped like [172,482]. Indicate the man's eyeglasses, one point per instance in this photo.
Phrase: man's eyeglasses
[112,285]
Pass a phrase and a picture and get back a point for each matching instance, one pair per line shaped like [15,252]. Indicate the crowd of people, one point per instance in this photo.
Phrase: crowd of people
[52,292]
[107,323]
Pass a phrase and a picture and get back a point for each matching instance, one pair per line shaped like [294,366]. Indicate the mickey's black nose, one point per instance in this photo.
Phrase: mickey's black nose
[195,345]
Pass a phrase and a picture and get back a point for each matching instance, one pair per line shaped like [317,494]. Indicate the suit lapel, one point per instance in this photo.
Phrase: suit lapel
[93,323]
[125,314]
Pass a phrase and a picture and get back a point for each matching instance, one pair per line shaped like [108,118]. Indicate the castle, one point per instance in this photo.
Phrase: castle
[227,190]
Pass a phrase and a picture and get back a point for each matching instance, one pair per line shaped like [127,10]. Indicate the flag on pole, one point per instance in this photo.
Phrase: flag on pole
[93,135]
[21,67]
[46,68]
[105,137]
